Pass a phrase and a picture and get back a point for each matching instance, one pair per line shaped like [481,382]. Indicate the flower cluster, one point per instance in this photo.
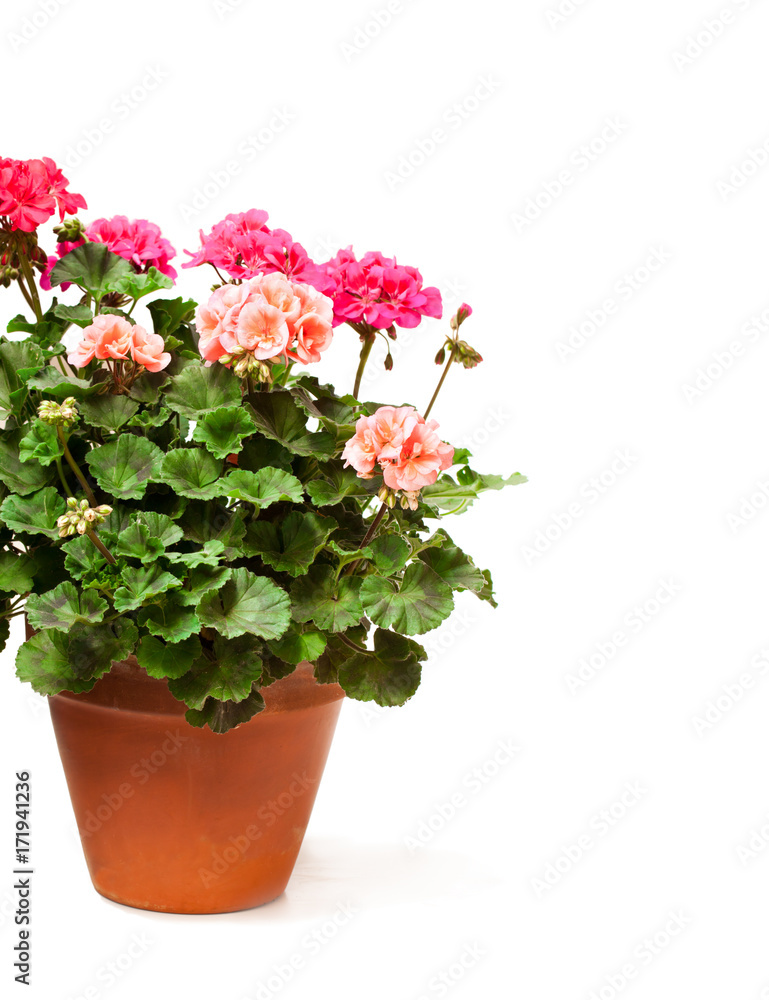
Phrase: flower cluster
[403,444]
[380,292]
[80,517]
[62,414]
[243,246]
[265,317]
[136,240]
[31,191]
[111,337]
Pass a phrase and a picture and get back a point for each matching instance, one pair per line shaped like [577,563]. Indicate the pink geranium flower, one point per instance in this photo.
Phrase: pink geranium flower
[243,246]
[147,349]
[405,446]
[109,336]
[380,292]
[31,191]
[136,240]
[266,316]
[261,330]
[113,337]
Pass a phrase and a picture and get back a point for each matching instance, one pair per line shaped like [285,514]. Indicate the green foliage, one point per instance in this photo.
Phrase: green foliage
[123,468]
[93,267]
[191,472]
[238,543]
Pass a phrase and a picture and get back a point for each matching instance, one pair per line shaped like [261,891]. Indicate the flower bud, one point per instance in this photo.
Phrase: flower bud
[70,231]
[440,357]
[460,316]
[388,363]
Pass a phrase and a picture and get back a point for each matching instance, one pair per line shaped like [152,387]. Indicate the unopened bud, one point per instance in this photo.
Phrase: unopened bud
[460,316]
[388,363]
[440,357]
[70,231]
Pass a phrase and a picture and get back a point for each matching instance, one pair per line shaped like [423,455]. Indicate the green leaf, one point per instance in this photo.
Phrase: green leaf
[192,472]
[171,659]
[210,555]
[91,266]
[147,536]
[200,581]
[20,477]
[318,597]
[390,552]
[146,389]
[136,286]
[203,522]
[17,359]
[278,416]
[146,419]
[296,646]
[388,675]
[198,390]
[36,514]
[229,676]
[456,569]
[64,606]
[124,467]
[265,487]
[41,444]
[291,545]
[261,452]
[108,411]
[80,315]
[51,381]
[54,661]
[339,483]
[345,556]
[16,573]
[454,498]
[221,716]
[222,431]
[169,618]
[169,314]
[420,603]
[246,603]
[140,584]
[82,557]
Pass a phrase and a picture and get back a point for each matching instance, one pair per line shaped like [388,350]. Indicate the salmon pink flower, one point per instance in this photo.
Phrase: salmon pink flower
[219,315]
[109,336]
[261,331]
[422,456]
[147,350]
[405,446]
[313,329]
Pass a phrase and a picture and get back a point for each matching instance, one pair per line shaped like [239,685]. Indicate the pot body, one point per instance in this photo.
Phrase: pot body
[180,819]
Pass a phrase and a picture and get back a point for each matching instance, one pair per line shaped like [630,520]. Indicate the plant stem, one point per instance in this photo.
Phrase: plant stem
[374,525]
[440,384]
[365,350]
[351,644]
[100,546]
[63,478]
[30,280]
[74,466]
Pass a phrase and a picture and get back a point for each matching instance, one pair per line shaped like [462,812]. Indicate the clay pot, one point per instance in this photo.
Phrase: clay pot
[183,820]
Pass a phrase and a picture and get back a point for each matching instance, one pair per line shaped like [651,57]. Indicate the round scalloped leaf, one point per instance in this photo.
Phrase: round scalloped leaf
[192,472]
[389,674]
[36,514]
[333,605]
[108,411]
[65,606]
[124,467]
[262,488]
[246,604]
[198,390]
[419,603]
[291,545]
[222,431]
[41,444]
[140,584]
[16,573]
[167,659]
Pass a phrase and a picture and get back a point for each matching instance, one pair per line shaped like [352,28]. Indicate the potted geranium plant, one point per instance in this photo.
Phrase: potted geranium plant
[211,546]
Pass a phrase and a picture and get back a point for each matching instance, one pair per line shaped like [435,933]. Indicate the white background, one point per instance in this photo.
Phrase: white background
[677,510]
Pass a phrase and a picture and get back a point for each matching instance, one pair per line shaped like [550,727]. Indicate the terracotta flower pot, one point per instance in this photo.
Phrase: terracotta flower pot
[183,820]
